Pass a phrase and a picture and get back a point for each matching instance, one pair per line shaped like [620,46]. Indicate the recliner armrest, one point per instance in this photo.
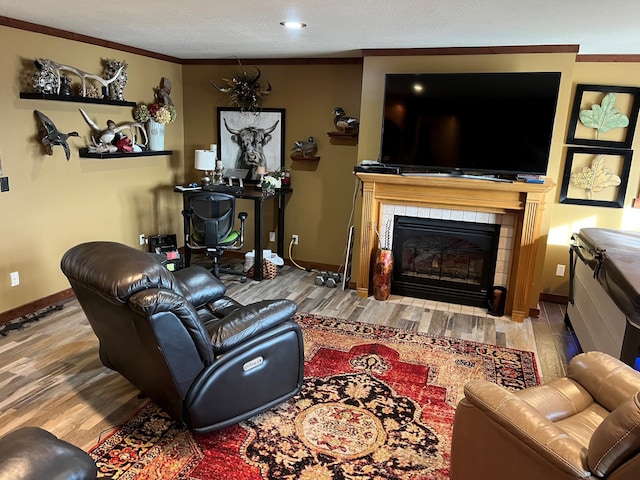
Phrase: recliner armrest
[528,425]
[248,321]
[199,285]
[608,380]
[616,439]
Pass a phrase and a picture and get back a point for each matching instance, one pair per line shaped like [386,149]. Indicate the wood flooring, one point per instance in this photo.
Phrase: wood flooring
[51,376]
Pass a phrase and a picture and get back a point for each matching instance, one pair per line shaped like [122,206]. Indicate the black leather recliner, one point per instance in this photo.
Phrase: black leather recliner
[201,356]
[32,453]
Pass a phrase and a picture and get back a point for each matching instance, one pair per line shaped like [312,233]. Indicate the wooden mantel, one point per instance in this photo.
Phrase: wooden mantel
[525,200]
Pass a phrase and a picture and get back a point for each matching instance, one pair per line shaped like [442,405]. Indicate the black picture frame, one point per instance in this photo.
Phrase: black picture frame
[269,123]
[568,194]
[579,134]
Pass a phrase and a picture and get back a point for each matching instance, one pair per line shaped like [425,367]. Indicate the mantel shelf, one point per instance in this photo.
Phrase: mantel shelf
[75,98]
[84,153]
[298,158]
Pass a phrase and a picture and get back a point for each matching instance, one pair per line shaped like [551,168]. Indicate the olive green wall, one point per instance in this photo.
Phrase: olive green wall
[319,208]
[54,204]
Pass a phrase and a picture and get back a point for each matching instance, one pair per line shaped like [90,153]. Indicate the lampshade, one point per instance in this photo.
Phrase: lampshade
[205,160]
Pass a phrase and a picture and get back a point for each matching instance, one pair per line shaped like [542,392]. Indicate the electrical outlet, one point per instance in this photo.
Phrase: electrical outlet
[294,237]
[560,270]
[272,236]
[15,279]
[142,239]
[4,184]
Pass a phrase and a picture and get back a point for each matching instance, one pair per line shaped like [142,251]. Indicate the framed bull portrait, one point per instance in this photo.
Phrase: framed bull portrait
[251,143]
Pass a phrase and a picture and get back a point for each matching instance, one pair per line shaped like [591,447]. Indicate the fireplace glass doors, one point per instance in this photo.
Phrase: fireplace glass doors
[444,260]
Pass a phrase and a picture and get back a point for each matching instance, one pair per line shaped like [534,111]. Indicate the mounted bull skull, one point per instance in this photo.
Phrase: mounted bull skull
[244,90]
[251,141]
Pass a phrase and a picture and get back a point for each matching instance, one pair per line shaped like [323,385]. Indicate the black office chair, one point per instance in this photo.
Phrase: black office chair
[210,221]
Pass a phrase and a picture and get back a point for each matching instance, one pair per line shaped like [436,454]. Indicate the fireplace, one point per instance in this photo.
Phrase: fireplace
[522,202]
[445,260]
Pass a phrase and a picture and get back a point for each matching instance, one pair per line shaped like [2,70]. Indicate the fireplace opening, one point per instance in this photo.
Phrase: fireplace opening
[444,260]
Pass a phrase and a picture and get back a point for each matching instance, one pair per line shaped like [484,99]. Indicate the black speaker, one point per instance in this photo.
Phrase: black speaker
[163,243]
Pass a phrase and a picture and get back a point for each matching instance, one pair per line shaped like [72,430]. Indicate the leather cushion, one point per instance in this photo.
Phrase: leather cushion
[608,380]
[152,301]
[248,321]
[31,453]
[617,438]
[115,270]
[200,286]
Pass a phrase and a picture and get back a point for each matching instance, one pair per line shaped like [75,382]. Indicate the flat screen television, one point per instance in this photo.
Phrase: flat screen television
[497,124]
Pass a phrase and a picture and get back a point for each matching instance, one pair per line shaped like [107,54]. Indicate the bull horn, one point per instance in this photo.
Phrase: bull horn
[269,130]
[221,89]
[231,131]
[267,90]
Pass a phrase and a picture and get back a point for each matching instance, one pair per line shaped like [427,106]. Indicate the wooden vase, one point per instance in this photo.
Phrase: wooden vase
[382,274]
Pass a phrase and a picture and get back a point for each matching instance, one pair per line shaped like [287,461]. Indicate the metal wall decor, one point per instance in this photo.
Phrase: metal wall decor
[604,115]
[596,176]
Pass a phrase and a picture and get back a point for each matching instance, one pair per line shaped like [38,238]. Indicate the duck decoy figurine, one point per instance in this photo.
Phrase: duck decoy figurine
[50,136]
[307,149]
[344,122]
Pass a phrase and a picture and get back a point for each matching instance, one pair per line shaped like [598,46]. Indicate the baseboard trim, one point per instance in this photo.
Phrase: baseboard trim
[35,305]
[552,298]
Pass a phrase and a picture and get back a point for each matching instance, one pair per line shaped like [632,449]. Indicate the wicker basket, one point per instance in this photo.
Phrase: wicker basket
[269,270]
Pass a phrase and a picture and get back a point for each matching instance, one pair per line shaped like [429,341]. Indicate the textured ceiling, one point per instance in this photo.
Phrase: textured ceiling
[205,29]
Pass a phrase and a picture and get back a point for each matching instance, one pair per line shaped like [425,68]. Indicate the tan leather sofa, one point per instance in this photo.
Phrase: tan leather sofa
[584,425]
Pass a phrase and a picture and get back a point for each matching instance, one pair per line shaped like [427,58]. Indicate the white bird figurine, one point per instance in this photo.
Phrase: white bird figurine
[344,122]
[307,149]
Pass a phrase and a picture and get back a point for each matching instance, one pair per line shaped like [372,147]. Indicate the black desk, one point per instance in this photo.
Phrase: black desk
[258,197]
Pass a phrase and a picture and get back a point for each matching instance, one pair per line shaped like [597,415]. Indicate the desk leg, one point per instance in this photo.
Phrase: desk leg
[281,203]
[186,231]
[257,234]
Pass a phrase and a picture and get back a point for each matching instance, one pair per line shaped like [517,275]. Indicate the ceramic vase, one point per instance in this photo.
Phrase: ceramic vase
[156,136]
[382,274]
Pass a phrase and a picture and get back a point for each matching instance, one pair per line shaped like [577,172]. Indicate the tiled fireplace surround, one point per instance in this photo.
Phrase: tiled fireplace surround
[517,206]
[506,222]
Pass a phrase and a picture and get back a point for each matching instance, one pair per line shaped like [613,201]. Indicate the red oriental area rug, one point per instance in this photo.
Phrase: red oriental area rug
[377,403]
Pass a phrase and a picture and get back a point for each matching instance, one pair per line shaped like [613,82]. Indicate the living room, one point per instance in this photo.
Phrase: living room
[121,199]
[54,204]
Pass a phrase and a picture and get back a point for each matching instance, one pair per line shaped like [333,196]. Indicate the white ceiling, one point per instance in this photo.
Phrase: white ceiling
[205,29]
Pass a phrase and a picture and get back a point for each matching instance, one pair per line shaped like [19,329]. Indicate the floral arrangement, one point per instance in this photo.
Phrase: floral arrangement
[272,180]
[154,111]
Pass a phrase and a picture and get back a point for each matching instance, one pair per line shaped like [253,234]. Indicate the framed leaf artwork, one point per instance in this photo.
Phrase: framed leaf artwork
[604,116]
[596,176]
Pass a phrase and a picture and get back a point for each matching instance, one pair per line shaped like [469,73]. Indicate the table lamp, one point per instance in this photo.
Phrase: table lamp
[205,161]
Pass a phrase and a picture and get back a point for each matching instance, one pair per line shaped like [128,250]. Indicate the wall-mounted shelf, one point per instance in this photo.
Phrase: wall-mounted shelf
[343,134]
[343,138]
[75,98]
[299,158]
[84,153]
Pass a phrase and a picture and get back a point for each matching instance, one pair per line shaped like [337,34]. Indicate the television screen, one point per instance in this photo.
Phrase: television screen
[470,123]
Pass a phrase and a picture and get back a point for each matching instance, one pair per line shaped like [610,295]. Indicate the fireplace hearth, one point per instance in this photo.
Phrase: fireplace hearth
[444,260]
